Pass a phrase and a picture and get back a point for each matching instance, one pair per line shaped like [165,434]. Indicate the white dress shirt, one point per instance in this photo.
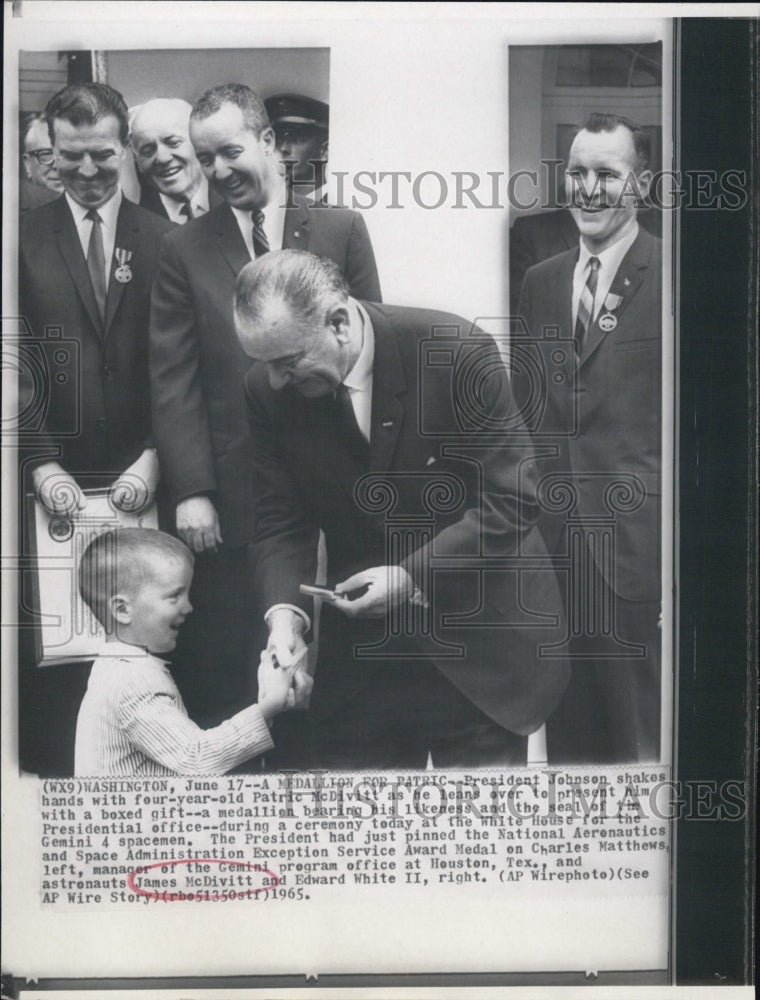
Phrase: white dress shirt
[274,221]
[609,262]
[359,384]
[198,204]
[359,379]
[109,214]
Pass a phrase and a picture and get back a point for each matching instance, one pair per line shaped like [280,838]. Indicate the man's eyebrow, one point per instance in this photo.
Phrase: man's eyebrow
[284,358]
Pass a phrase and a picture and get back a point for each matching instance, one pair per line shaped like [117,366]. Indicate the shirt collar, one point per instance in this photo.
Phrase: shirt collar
[199,201]
[108,212]
[360,376]
[126,649]
[611,258]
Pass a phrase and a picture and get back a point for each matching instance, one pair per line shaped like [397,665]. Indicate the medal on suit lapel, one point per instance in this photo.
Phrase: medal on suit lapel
[123,272]
[607,321]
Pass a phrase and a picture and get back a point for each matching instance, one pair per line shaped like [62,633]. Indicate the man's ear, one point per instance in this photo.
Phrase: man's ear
[268,140]
[341,324]
[645,182]
[121,609]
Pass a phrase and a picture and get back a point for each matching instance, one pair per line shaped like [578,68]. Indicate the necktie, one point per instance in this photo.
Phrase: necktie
[96,262]
[586,304]
[260,241]
[186,210]
[347,420]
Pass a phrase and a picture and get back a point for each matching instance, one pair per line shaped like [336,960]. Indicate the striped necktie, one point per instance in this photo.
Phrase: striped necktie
[260,241]
[586,305]
[96,262]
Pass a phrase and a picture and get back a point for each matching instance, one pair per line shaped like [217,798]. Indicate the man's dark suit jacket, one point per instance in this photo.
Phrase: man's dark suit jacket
[426,423]
[613,396]
[98,393]
[151,200]
[605,414]
[197,365]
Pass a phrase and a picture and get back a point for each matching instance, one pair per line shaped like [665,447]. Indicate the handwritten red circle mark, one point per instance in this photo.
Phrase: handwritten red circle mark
[192,896]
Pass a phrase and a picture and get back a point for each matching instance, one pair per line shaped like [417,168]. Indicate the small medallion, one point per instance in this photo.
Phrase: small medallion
[607,322]
[123,272]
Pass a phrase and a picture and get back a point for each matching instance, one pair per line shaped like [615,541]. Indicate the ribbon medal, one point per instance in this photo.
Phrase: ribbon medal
[608,322]
[123,272]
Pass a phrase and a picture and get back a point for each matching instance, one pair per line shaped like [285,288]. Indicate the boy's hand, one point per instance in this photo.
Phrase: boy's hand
[56,490]
[135,488]
[274,686]
[299,695]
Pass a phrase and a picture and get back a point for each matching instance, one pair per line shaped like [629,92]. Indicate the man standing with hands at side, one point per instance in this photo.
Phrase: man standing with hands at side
[197,369]
[86,266]
[606,294]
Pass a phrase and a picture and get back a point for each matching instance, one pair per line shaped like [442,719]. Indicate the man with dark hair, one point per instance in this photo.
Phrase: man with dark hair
[605,404]
[301,128]
[197,366]
[86,266]
[431,642]
[537,237]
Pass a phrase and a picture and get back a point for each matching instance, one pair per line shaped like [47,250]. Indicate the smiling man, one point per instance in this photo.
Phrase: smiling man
[604,409]
[197,366]
[174,185]
[86,266]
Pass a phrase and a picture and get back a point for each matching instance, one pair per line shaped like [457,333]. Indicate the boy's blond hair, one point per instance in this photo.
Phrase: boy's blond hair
[120,561]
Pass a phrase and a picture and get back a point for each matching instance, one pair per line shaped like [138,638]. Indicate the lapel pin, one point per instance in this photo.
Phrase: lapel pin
[431,460]
[626,282]
[123,272]
[387,424]
[296,233]
[607,322]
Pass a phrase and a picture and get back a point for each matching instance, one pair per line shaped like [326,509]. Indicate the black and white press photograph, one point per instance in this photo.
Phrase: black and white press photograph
[361,441]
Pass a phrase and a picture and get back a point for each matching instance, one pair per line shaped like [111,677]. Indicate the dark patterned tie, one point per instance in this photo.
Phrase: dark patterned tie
[348,422]
[260,241]
[96,262]
[586,304]
[186,210]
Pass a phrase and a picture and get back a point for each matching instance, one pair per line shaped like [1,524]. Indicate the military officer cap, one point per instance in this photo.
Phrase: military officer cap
[295,109]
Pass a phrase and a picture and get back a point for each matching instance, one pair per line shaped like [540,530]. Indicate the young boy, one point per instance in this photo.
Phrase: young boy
[132,720]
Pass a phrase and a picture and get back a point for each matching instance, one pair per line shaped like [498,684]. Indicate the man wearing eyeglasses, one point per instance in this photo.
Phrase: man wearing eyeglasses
[41,183]
[301,132]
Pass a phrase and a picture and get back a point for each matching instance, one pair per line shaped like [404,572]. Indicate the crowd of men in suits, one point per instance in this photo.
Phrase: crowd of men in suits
[237,365]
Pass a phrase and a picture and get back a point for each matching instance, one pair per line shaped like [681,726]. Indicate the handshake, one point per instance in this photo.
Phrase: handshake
[282,687]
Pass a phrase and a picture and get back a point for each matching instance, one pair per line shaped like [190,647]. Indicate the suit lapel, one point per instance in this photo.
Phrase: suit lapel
[625,284]
[73,257]
[388,383]
[127,238]
[295,234]
[230,240]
